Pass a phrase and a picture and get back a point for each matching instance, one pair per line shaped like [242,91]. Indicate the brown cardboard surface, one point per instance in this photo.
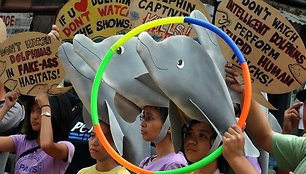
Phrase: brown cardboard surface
[29,63]
[274,50]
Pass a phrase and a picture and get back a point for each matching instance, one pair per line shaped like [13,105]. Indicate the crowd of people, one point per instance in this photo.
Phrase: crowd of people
[42,145]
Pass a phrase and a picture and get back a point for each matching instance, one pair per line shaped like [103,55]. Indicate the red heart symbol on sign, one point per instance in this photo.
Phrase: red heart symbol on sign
[81,6]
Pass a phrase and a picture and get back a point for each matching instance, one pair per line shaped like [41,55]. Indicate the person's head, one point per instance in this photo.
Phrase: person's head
[199,138]
[96,149]
[61,117]
[152,121]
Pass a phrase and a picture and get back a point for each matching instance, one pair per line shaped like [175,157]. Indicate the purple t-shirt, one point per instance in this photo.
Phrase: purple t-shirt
[255,163]
[171,161]
[38,162]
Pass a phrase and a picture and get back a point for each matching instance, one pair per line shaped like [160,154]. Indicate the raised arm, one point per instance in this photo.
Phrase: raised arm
[257,123]
[55,33]
[233,143]
[291,118]
[10,100]
[56,150]
[7,144]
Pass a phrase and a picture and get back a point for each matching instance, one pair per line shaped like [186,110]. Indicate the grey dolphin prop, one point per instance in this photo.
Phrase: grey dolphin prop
[126,135]
[125,73]
[187,75]
[209,41]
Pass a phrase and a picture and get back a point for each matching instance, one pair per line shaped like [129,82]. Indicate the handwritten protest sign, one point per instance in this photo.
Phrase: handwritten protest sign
[97,19]
[29,62]
[3,34]
[144,11]
[275,52]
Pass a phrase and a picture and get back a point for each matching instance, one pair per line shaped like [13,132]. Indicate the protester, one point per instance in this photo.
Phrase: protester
[10,120]
[42,149]
[289,151]
[199,139]
[104,162]
[155,127]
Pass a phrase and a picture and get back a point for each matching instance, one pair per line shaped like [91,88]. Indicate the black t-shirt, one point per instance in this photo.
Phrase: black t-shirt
[79,136]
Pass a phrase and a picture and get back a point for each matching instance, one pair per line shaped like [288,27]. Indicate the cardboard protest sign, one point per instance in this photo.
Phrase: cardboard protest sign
[275,52]
[143,11]
[29,62]
[3,34]
[97,19]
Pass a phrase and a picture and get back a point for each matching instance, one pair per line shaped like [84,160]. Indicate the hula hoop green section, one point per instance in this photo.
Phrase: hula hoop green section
[120,42]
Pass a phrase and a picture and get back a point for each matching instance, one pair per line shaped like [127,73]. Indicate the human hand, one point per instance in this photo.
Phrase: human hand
[233,143]
[11,98]
[55,33]
[42,99]
[291,118]
[230,79]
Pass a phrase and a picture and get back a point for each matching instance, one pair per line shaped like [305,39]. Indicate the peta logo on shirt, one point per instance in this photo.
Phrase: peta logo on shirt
[80,132]
[29,164]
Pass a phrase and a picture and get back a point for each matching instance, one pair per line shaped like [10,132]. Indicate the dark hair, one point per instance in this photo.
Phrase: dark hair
[193,122]
[163,112]
[61,118]
[237,109]
[27,128]
[222,164]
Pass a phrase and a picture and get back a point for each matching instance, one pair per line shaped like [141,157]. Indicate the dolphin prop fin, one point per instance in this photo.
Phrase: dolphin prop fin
[218,138]
[126,109]
[249,148]
[274,123]
[206,118]
[115,128]
[148,81]
[177,120]
[116,131]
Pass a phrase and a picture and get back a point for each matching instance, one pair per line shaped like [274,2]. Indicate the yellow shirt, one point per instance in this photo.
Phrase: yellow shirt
[92,170]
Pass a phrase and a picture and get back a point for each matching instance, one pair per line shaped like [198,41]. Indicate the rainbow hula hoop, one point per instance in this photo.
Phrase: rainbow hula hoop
[126,37]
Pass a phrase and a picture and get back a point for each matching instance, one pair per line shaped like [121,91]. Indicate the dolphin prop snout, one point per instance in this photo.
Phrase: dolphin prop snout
[149,40]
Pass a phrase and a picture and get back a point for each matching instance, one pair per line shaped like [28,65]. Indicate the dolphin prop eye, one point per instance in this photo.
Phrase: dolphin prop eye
[120,50]
[180,64]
